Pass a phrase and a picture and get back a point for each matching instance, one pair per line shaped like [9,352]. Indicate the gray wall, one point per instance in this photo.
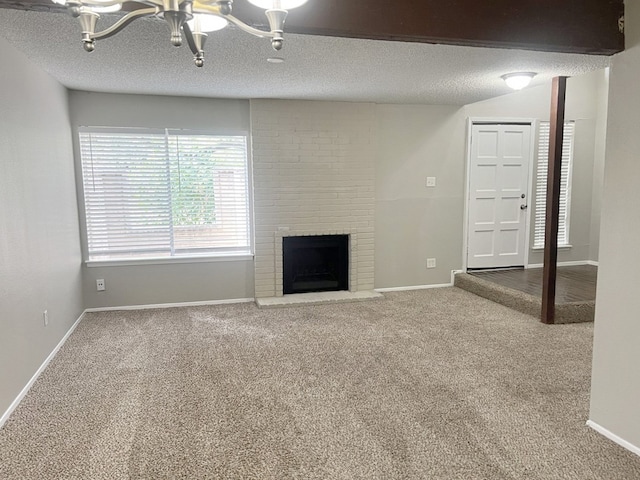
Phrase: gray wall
[40,259]
[414,222]
[615,391]
[598,164]
[168,282]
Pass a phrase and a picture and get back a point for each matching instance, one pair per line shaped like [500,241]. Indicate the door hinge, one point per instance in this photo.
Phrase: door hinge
[621,24]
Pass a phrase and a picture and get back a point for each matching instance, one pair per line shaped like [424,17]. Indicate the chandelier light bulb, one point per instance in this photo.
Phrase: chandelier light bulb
[105,8]
[278,4]
[519,80]
[206,23]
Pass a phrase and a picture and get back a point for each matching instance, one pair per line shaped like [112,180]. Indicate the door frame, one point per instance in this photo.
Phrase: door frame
[471,121]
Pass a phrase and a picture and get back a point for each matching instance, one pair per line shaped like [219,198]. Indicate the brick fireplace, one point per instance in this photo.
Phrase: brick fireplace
[313,174]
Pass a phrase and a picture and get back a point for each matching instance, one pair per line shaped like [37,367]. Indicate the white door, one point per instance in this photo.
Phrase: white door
[498,188]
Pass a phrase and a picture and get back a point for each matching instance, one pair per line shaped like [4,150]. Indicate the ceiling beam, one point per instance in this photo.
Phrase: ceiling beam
[570,26]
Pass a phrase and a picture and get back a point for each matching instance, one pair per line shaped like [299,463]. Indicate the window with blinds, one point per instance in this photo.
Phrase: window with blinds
[164,193]
[565,184]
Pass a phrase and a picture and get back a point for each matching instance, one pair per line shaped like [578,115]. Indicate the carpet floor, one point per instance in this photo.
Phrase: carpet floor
[434,384]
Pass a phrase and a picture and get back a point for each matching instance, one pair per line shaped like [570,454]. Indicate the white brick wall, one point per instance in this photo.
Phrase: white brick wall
[313,171]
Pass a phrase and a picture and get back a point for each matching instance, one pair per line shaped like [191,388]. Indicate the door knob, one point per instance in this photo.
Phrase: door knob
[523,207]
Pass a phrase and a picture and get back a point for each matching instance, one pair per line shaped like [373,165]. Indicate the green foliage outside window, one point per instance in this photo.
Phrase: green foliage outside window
[192,173]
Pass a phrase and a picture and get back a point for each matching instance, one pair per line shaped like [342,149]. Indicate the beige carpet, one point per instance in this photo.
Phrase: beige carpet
[436,384]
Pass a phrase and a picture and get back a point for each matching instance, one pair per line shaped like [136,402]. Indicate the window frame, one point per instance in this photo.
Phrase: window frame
[224,255]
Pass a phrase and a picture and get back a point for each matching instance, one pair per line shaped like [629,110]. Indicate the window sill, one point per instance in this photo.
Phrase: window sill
[560,247]
[169,260]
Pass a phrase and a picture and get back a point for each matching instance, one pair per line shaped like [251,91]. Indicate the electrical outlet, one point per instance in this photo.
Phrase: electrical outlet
[45,316]
[431,263]
[100,285]
[431,181]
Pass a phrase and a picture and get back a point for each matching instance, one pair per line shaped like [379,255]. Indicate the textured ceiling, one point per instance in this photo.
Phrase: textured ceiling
[141,60]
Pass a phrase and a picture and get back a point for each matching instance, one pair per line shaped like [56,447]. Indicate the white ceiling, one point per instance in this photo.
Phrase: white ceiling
[141,60]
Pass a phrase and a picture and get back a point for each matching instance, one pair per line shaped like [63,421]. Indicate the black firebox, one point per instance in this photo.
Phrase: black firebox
[318,263]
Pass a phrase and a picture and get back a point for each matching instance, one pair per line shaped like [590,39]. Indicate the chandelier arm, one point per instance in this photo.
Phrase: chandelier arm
[253,31]
[123,22]
[190,41]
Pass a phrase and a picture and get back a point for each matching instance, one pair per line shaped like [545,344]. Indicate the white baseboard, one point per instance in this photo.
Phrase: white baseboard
[453,276]
[613,437]
[5,416]
[593,263]
[170,305]
[413,287]
[565,264]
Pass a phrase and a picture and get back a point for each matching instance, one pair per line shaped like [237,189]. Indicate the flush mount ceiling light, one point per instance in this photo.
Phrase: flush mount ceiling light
[194,18]
[518,80]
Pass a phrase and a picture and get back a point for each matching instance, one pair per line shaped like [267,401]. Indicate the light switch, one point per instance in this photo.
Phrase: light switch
[431,181]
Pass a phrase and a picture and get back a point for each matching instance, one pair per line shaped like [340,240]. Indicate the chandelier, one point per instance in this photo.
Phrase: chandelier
[193,18]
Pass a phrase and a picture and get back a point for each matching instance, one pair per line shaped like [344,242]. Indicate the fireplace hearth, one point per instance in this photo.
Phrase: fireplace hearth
[315,263]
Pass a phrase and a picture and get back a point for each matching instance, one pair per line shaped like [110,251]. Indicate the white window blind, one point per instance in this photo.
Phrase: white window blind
[565,184]
[163,193]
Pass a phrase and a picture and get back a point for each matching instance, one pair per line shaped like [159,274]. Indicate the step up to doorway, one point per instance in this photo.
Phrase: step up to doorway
[571,312]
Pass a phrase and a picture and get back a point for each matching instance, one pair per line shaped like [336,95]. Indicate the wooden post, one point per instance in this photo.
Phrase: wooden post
[556,134]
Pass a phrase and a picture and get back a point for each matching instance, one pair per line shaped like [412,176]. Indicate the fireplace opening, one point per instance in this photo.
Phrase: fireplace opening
[318,263]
